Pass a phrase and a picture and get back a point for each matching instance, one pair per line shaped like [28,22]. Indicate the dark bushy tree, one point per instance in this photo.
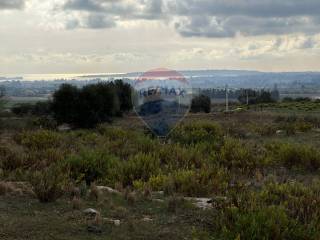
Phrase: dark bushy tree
[65,104]
[97,103]
[124,92]
[201,103]
[91,105]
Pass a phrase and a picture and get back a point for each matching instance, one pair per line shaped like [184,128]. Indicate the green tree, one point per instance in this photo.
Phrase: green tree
[201,103]
[97,103]
[91,105]
[65,104]
[124,91]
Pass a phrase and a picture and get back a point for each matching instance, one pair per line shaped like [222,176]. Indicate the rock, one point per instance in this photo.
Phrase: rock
[279,132]
[94,220]
[108,189]
[147,219]
[90,211]
[64,128]
[117,223]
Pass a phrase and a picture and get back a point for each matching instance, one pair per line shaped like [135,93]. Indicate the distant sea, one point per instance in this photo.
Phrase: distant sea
[51,77]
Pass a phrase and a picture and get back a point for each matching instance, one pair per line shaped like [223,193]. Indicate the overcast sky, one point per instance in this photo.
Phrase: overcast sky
[98,36]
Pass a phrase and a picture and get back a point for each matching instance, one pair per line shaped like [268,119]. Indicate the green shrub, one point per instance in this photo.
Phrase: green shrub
[139,167]
[234,154]
[264,223]
[201,103]
[297,155]
[198,132]
[92,165]
[11,158]
[301,202]
[48,184]
[39,140]
[39,159]
[175,156]
[157,183]
[200,183]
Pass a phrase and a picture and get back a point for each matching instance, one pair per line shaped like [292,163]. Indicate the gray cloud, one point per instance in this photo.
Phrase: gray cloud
[245,17]
[99,21]
[123,9]
[207,18]
[83,5]
[12,4]
[253,8]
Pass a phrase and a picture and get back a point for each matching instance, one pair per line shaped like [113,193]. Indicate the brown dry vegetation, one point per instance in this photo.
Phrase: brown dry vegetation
[260,168]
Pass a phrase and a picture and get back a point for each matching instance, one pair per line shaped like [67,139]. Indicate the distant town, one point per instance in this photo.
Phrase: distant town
[211,82]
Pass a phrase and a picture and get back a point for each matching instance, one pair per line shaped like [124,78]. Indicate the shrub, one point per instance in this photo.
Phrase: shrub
[22,109]
[157,183]
[198,132]
[40,159]
[11,158]
[294,155]
[234,154]
[46,123]
[39,140]
[175,156]
[264,223]
[92,165]
[139,167]
[194,183]
[49,184]
[201,103]
[301,202]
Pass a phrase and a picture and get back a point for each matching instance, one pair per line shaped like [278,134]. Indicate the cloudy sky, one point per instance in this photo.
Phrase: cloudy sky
[98,36]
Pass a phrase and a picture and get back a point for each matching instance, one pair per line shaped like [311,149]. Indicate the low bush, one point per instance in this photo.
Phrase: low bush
[198,132]
[139,167]
[39,140]
[92,165]
[296,156]
[235,154]
[301,202]
[11,158]
[48,184]
[263,223]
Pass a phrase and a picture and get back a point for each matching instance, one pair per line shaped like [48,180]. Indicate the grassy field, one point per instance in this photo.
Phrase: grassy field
[259,168]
